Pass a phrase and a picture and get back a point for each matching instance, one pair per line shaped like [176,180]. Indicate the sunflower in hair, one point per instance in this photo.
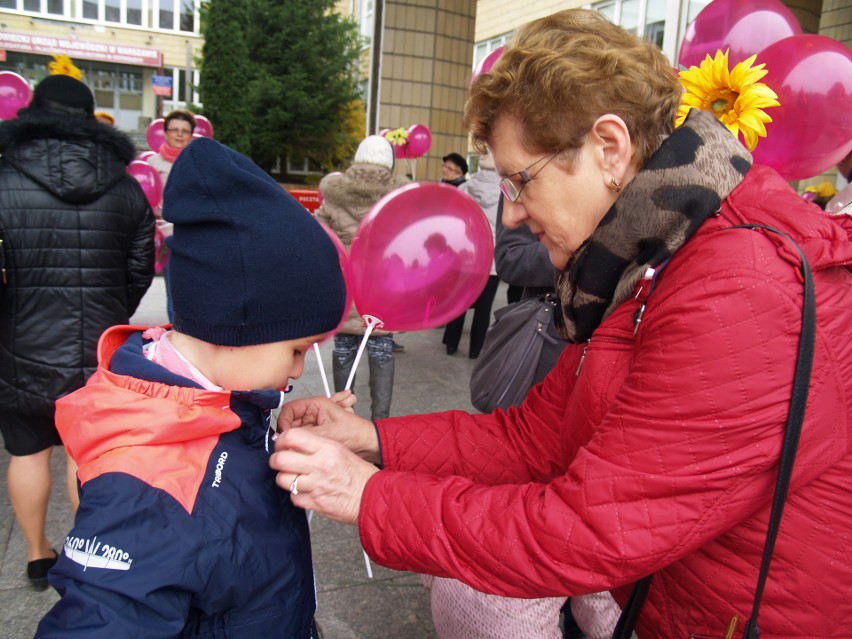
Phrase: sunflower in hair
[735,97]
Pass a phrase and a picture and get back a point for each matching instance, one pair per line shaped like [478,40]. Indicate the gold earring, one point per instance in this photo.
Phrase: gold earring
[614,186]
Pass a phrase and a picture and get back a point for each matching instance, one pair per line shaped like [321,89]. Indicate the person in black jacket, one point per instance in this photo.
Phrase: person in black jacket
[77,252]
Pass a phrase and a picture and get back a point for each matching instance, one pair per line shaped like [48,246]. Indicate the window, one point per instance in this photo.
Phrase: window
[56,7]
[134,12]
[646,18]
[130,90]
[187,16]
[8,4]
[366,19]
[112,10]
[183,93]
[167,14]
[299,166]
[655,21]
[482,49]
[90,9]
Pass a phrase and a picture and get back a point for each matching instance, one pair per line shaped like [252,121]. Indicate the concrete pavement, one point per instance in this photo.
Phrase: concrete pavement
[391,605]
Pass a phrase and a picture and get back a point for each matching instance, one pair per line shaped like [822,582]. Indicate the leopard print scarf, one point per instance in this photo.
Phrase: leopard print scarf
[680,186]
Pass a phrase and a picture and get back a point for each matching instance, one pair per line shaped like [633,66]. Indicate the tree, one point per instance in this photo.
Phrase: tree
[226,71]
[303,84]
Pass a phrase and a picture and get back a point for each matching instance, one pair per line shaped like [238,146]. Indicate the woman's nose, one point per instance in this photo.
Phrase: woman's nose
[514,214]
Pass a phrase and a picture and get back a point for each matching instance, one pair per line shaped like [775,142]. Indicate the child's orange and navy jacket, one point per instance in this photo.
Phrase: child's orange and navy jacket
[181,530]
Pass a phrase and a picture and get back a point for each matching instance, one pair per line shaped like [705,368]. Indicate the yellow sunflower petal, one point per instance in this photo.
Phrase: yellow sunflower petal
[735,97]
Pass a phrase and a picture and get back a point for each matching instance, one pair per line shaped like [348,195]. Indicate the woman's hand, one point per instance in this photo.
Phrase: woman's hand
[332,419]
[321,474]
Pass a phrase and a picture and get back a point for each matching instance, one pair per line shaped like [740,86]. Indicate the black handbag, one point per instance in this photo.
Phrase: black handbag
[514,344]
[793,428]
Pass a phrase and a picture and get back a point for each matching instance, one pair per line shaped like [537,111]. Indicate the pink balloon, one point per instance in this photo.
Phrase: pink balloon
[420,256]
[812,130]
[419,140]
[143,157]
[155,135]
[400,151]
[743,26]
[487,62]
[347,274]
[203,126]
[15,94]
[149,179]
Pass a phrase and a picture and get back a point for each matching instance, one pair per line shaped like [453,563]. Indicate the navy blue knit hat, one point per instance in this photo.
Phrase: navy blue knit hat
[249,265]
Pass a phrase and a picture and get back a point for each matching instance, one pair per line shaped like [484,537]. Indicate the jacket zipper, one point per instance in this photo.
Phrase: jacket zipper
[602,338]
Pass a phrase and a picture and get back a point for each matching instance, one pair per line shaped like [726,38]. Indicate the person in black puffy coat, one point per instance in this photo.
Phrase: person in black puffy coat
[77,255]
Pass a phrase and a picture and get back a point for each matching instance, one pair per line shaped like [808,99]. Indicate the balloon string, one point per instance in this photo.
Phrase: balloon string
[322,370]
[371,322]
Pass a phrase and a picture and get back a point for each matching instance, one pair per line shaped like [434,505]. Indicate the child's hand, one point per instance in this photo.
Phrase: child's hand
[345,399]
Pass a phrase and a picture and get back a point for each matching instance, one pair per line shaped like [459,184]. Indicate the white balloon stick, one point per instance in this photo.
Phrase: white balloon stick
[322,370]
[371,322]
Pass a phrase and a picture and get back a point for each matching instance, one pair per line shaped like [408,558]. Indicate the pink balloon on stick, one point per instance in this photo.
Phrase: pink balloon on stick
[744,27]
[15,94]
[203,126]
[812,130]
[149,179]
[143,157]
[487,62]
[419,140]
[420,256]
[155,135]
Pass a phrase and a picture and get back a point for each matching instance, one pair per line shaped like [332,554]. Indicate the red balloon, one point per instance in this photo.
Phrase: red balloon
[156,135]
[203,126]
[420,256]
[487,62]
[745,27]
[149,179]
[812,130]
[15,94]
[419,140]
[345,268]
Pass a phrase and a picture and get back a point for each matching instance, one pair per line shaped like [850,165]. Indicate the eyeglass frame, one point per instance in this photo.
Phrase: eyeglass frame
[179,131]
[507,186]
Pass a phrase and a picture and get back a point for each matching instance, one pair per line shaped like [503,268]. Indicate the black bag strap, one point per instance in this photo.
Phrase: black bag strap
[793,428]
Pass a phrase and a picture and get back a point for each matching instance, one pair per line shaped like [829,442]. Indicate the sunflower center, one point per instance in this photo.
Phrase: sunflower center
[721,101]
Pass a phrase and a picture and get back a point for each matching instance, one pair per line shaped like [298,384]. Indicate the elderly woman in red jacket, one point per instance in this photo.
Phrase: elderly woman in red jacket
[653,446]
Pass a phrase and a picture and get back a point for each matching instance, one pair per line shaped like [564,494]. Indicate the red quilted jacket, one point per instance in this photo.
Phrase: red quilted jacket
[659,453]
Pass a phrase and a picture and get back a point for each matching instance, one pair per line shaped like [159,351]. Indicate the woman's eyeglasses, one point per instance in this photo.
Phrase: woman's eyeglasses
[178,131]
[508,187]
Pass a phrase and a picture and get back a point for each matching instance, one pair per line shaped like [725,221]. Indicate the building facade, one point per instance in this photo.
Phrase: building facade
[140,56]
[136,55]
[422,52]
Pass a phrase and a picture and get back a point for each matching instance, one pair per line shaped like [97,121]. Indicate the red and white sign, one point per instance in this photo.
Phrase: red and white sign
[308,198]
[80,49]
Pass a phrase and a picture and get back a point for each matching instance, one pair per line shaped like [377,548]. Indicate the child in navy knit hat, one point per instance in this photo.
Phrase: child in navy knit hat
[181,530]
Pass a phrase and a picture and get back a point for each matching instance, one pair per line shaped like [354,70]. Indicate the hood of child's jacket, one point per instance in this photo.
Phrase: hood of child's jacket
[114,410]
